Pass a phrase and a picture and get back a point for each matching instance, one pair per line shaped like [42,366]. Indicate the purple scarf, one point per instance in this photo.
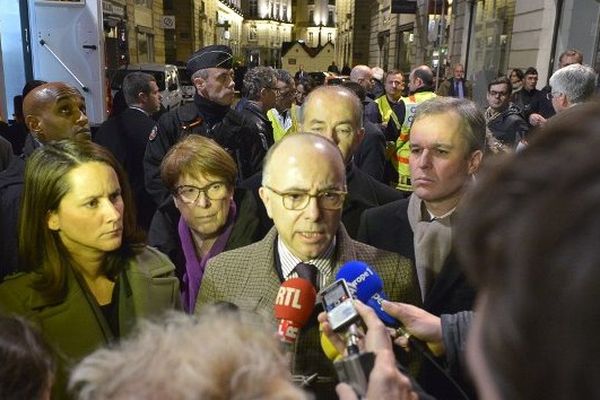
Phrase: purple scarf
[194,267]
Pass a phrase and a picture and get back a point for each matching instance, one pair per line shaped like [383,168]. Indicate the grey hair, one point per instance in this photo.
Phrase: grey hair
[472,120]
[135,83]
[266,171]
[222,354]
[201,73]
[577,82]
[284,76]
[257,79]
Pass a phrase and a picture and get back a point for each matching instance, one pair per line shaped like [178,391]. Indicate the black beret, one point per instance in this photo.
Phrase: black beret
[215,56]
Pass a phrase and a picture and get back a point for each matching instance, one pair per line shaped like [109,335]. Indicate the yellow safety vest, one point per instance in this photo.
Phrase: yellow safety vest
[385,110]
[278,130]
[403,142]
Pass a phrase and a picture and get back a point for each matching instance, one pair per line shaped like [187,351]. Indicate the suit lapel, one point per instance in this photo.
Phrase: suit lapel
[262,274]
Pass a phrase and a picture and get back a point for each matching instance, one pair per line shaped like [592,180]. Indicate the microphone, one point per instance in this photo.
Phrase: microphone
[294,305]
[367,286]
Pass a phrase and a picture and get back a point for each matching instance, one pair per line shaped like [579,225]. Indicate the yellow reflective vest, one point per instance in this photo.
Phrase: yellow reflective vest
[385,110]
[278,130]
[403,142]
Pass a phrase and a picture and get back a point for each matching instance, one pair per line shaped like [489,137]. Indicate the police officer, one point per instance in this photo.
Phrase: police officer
[209,115]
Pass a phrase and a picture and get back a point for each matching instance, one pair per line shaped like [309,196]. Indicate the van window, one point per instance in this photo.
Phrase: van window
[184,77]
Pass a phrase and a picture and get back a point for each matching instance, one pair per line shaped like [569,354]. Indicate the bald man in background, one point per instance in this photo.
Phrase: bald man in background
[52,111]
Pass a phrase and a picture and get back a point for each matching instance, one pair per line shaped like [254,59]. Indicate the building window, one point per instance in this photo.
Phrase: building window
[331,2]
[311,38]
[145,45]
[491,36]
[252,34]
[145,3]
[284,12]
[330,18]
[311,17]
[253,8]
[330,37]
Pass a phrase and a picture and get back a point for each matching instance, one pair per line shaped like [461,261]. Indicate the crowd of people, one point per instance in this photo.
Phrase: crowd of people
[145,261]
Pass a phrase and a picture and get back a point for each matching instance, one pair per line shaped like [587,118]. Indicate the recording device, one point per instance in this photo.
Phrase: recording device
[294,305]
[337,303]
[367,286]
[356,367]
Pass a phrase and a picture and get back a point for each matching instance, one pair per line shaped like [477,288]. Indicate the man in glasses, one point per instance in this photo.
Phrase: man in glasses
[503,119]
[304,186]
[283,116]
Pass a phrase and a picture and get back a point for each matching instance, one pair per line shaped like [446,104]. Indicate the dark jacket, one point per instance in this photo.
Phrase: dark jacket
[11,188]
[448,88]
[164,233]
[258,120]
[202,117]
[530,102]
[509,127]
[126,136]
[370,155]
[364,192]
[387,227]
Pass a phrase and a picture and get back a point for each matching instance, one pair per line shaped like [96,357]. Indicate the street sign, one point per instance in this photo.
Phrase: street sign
[404,6]
[167,22]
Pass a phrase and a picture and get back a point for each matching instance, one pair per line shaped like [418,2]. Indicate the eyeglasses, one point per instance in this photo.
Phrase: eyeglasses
[296,201]
[552,95]
[214,191]
[493,93]
[289,93]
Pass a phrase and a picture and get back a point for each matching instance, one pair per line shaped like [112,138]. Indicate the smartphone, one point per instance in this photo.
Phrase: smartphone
[337,303]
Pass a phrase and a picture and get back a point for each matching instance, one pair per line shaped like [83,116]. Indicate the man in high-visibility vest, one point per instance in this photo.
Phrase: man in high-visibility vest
[420,86]
[394,85]
[283,116]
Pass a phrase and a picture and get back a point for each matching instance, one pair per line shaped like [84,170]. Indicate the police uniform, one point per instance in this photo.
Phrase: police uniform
[202,117]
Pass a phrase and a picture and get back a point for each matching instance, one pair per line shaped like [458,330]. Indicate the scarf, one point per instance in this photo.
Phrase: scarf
[432,241]
[211,111]
[194,266]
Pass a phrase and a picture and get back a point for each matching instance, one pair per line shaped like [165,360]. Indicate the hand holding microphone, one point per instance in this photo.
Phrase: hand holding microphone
[418,323]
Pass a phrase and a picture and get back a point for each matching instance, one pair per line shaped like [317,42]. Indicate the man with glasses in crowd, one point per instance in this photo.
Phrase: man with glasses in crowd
[503,119]
[303,190]
[284,116]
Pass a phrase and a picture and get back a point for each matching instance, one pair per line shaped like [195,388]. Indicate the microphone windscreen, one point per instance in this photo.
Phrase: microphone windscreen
[362,280]
[367,287]
[295,301]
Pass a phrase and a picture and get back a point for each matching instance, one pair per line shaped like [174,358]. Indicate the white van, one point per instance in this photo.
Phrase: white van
[167,80]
